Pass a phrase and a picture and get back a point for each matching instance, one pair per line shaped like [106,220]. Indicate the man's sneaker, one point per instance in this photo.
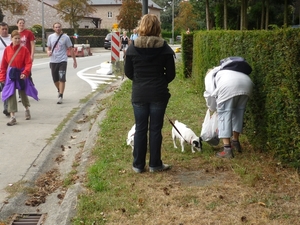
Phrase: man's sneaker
[12,121]
[164,167]
[6,112]
[137,170]
[59,101]
[236,145]
[226,153]
[27,114]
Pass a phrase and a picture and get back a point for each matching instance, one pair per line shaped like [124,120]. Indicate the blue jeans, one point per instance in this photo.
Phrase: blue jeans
[145,114]
[231,115]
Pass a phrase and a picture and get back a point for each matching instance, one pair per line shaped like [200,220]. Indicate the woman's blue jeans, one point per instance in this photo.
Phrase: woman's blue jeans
[145,114]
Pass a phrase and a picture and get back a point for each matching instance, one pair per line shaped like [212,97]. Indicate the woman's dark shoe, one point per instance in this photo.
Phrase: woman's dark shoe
[137,170]
[164,167]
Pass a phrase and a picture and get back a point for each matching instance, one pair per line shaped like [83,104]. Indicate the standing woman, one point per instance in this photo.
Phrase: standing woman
[149,63]
[124,42]
[15,69]
[27,37]
[27,40]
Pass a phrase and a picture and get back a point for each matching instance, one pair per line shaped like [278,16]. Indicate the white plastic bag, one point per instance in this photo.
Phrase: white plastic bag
[209,132]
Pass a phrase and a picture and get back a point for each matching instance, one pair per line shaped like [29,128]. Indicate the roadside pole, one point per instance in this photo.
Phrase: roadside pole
[115,44]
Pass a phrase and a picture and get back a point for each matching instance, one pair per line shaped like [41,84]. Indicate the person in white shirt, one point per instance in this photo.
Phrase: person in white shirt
[227,92]
[58,44]
[5,40]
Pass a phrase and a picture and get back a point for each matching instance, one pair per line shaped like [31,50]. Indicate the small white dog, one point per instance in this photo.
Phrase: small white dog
[187,135]
[130,136]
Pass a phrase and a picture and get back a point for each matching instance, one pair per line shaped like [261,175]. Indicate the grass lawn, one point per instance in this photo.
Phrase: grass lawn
[200,189]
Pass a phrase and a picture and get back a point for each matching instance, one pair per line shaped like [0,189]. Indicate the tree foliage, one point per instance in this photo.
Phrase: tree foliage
[14,6]
[234,14]
[166,13]
[72,11]
[186,17]
[130,14]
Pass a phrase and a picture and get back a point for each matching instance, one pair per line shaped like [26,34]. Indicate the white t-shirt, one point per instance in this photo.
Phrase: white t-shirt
[7,41]
[59,54]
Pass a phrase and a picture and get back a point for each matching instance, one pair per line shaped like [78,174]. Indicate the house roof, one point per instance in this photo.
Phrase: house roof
[119,2]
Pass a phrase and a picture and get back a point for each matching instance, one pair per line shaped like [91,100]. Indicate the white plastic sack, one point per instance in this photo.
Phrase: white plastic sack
[209,132]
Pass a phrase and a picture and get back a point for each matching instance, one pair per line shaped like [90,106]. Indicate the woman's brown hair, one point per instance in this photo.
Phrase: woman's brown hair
[14,33]
[149,25]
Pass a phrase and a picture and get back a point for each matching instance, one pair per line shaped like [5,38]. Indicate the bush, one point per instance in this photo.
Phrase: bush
[272,120]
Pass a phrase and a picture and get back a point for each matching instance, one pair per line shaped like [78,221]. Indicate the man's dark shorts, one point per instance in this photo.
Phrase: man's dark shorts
[58,71]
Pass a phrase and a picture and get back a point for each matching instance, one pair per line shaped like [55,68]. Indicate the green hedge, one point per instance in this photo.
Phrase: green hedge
[187,54]
[272,120]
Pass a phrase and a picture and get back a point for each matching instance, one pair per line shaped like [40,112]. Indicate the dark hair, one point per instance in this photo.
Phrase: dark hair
[20,20]
[3,24]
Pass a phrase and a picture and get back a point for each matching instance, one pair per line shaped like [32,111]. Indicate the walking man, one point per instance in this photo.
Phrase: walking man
[5,41]
[57,45]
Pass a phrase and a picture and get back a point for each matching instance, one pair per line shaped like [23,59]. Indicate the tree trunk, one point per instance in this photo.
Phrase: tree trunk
[262,19]
[267,14]
[207,15]
[225,15]
[242,19]
[285,13]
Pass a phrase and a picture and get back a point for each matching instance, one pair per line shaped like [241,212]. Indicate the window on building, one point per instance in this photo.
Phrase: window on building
[86,26]
[109,14]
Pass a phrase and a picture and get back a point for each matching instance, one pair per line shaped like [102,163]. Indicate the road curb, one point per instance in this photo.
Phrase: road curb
[63,212]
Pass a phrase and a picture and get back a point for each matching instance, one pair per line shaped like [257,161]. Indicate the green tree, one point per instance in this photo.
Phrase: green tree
[130,14]
[72,11]
[186,18]
[166,13]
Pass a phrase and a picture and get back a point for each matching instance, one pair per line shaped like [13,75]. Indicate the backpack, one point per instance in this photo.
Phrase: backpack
[235,63]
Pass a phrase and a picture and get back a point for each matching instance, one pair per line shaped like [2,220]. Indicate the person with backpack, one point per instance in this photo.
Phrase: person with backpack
[227,90]
[15,70]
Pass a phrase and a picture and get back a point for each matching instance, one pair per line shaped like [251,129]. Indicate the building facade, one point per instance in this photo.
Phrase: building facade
[43,12]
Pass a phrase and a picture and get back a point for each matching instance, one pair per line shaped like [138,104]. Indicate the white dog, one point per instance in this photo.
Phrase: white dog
[187,135]
[130,136]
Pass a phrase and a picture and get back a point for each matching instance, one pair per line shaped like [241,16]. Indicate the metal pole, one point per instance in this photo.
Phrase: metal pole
[145,7]
[43,30]
[172,22]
